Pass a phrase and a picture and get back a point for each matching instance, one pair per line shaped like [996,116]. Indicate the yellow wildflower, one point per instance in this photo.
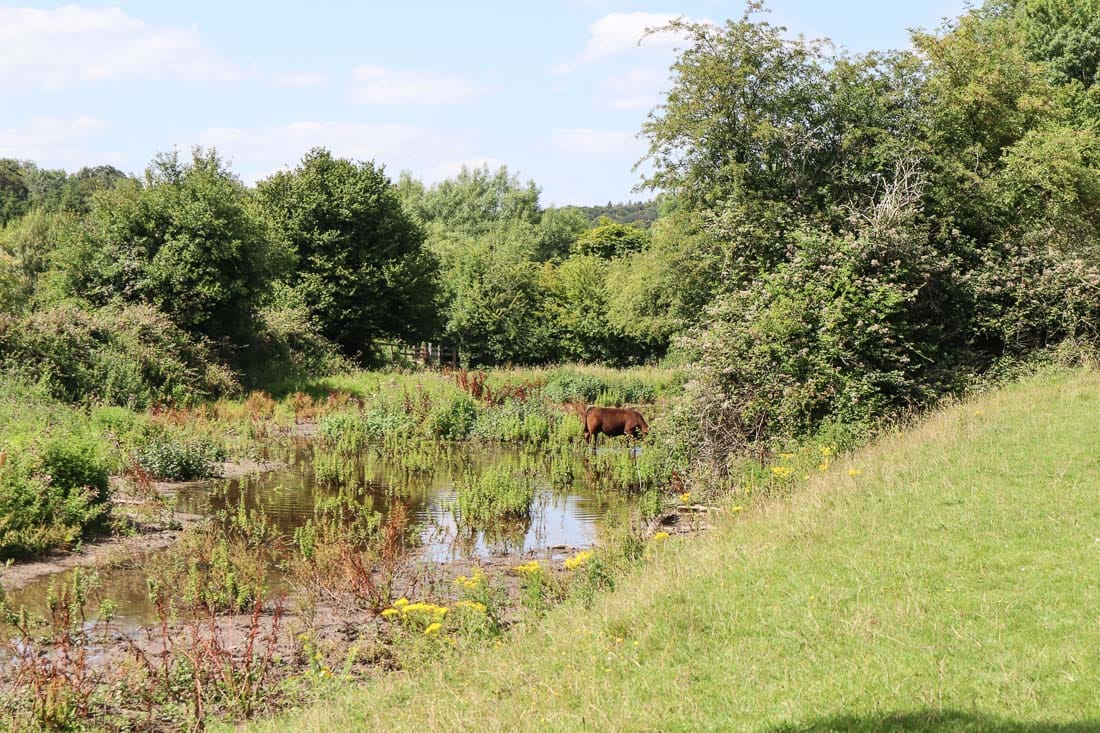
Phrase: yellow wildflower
[782,471]
[579,560]
[854,472]
[786,456]
[472,605]
[737,508]
[823,466]
[400,603]
[660,537]
[390,613]
[826,450]
[433,629]
[529,568]
[685,497]
[473,581]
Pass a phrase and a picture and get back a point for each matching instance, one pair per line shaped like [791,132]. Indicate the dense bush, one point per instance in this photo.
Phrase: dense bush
[344,433]
[455,418]
[515,421]
[176,459]
[189,242]
[497,493]
[290,343]
[132,356]
[850,330]
[53,491]
[569,387]
[878,231]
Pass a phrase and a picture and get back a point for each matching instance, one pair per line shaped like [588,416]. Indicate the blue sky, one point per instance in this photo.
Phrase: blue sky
[555,90]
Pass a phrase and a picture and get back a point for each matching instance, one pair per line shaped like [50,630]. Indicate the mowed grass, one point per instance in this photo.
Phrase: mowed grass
[952,585]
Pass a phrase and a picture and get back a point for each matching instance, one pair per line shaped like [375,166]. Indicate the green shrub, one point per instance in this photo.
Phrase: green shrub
[852,330]
[134,357]
[344,433]
[383,421]
[515,421]
[613,391]
[181,460]
[53,492]
[498,493]
[291,346]
[574,388]
[455,419]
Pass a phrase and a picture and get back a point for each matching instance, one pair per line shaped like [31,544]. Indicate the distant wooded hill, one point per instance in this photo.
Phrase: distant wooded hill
[642,213]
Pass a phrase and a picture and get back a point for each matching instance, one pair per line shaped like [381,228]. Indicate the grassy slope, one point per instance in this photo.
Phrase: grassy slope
[953,585]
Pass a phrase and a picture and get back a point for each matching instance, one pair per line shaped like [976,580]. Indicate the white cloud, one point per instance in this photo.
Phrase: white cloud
[259,151]
[638,89]
[299,80]
[71,44]
[55,141]
[382,85]
[597,143]
[617,33]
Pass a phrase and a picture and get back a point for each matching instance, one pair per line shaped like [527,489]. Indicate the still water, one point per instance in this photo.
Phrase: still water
[565,513]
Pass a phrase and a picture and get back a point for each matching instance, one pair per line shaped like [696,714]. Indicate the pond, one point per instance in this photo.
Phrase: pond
[564,514]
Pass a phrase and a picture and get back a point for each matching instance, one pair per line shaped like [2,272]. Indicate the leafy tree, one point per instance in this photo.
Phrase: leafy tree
[558,229]
[13,190]
[579,310]
[610,240]
[639,213]
[80,187]
[761,133]
[496,311]
[28,245]
[187,242]
[1063,34]
[363,270]
[476,199]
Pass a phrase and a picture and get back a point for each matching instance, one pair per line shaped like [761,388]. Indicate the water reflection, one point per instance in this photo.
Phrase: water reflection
[565,510]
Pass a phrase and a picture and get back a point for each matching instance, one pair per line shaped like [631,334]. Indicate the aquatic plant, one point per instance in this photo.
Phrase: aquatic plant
[498,493]
[171,459]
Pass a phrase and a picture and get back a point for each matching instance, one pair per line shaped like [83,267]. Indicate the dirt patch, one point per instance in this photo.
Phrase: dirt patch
[153,527]
[110,550]
[226,470]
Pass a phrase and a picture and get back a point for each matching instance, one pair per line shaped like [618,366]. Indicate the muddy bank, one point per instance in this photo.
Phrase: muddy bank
[99,553]
[151,527]
[225,471]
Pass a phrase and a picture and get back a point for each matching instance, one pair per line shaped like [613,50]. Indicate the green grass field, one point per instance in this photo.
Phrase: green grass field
[951,584]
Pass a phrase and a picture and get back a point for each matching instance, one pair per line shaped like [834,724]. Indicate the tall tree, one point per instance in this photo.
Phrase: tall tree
[363,270]
[188,242]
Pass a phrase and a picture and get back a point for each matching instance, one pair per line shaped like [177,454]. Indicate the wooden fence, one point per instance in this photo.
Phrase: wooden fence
[427,354]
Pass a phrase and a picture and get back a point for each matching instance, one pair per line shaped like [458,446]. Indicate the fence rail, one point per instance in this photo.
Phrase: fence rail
[426,353]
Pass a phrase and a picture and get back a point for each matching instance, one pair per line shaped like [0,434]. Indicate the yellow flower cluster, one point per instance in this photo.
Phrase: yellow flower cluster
[826,450]
[529,568]
[420,613]
[854,472]
[685,497]
[579,560]
[433,628]
[782,471]
[472,605]
[660,537]
[474,581]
